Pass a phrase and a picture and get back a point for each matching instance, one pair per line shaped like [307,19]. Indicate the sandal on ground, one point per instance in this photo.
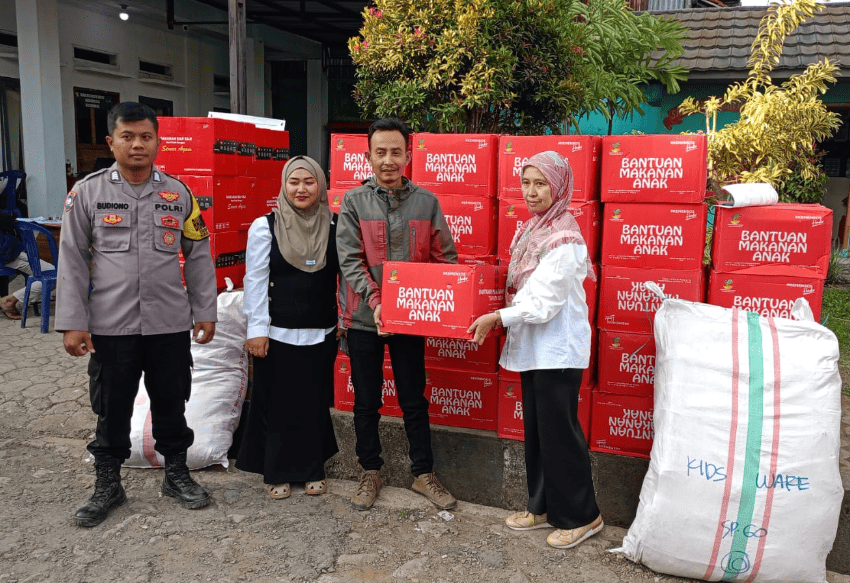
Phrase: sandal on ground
[12,314]
[316,488]
[278,491]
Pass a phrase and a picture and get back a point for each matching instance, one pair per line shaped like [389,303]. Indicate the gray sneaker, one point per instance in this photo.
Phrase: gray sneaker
[429,486]
[367,489]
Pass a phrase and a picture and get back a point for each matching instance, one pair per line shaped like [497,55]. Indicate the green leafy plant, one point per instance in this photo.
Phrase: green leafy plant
[836,313]
[508,66]
[775,138]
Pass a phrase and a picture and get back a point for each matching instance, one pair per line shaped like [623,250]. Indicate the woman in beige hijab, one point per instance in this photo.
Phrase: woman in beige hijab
[290,299]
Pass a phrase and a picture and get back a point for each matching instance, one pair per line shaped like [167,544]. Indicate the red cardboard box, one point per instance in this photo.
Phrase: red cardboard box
[349,165]
[513,212]
[264,196]
[477,259]
[621,424]
[223,204]
[649,235]
[625,305]
[769,295]
[335,199]
[462,398]
[438,299]
[456,163]
[668,168]
[626,363]
[463,354]
[581,151]
[200,146]
[510,415]
[344,389]
[472,222]
[228,254]
[247,149]
[788,239]
[272,152]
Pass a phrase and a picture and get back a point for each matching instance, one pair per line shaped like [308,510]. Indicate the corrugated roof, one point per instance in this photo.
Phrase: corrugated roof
[720,40]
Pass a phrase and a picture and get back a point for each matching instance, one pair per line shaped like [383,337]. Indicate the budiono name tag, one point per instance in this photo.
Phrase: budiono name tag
[311,262]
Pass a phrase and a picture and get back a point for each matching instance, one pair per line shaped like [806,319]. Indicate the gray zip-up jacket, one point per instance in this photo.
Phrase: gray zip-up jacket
[377,224]
[126,245]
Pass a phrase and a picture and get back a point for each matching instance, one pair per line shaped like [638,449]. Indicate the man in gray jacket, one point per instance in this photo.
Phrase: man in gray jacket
[389,218]
[120,298]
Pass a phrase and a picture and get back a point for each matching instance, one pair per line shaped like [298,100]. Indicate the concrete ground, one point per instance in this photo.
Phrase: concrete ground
[46,420]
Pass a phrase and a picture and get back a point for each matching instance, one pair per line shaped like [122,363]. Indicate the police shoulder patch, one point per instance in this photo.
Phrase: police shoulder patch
[194,227]
[69,200]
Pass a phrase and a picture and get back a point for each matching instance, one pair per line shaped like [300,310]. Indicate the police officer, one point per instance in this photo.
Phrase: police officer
[120,299]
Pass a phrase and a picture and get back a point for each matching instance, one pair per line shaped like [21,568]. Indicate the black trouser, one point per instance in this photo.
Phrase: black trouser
[557,461]
[114,372]
[407,353]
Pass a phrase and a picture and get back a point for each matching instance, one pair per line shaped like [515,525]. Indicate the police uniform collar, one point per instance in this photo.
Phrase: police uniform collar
[116,177]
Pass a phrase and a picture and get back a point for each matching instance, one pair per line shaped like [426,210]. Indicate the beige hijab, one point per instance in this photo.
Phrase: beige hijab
[302,235]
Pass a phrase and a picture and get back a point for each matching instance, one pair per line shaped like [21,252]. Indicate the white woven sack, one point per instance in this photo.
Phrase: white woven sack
[219,381]
[743,481]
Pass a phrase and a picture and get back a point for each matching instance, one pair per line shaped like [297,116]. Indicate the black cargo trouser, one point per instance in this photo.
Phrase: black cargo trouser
[115,369]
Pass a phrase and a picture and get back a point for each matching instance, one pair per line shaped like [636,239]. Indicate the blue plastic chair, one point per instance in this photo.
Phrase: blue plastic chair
[29,231]
[14,178]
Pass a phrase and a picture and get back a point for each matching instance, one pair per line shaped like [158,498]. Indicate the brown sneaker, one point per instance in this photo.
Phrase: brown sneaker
[527,521]
[367,489]
[429,486]
[567,539]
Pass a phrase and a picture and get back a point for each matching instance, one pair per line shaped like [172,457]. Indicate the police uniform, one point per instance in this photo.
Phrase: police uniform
[119,279]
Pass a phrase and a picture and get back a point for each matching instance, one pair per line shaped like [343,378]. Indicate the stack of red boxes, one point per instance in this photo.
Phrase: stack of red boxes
[653,229]
[224,163]
[583,154]
[765,257]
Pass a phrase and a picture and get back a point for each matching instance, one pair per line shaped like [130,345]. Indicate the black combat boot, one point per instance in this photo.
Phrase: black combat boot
[108,493]
[179,484]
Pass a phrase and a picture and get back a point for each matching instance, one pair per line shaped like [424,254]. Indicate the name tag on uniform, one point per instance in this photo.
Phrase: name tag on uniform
[311,262]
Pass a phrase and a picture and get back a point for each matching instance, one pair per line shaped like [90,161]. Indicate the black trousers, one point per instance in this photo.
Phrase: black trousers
[115,369]
[557,460]
[407,353]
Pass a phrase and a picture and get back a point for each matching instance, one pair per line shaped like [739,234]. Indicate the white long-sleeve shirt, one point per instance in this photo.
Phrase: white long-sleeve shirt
[547,320]
[256,298]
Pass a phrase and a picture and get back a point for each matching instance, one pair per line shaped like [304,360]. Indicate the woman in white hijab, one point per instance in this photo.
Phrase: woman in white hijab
[290,299]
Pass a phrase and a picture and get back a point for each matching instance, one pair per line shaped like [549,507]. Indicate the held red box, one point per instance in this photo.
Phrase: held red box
[656,168]
[438,299]
[477,259]
[223,205]
[335,199]
[349,165]
[456,163]
[768,295]
[650,235]
[625,305]
[344,389]
[581,151]
[511,415]
[200,146]
[621,424]
[626,363]
[472,222]
[788,239]
[462,398]
[463,354]
[513,212]
[271,154]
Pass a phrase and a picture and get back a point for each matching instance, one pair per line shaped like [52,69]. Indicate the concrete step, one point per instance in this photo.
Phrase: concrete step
[476,466]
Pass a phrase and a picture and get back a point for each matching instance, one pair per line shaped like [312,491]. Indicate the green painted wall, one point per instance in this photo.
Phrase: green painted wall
[652,120]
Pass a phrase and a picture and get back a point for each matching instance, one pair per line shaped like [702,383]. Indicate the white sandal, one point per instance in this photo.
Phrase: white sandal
[316,488]
[278,491]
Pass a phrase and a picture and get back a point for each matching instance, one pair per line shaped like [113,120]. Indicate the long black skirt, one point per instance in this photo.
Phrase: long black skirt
[289,435]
